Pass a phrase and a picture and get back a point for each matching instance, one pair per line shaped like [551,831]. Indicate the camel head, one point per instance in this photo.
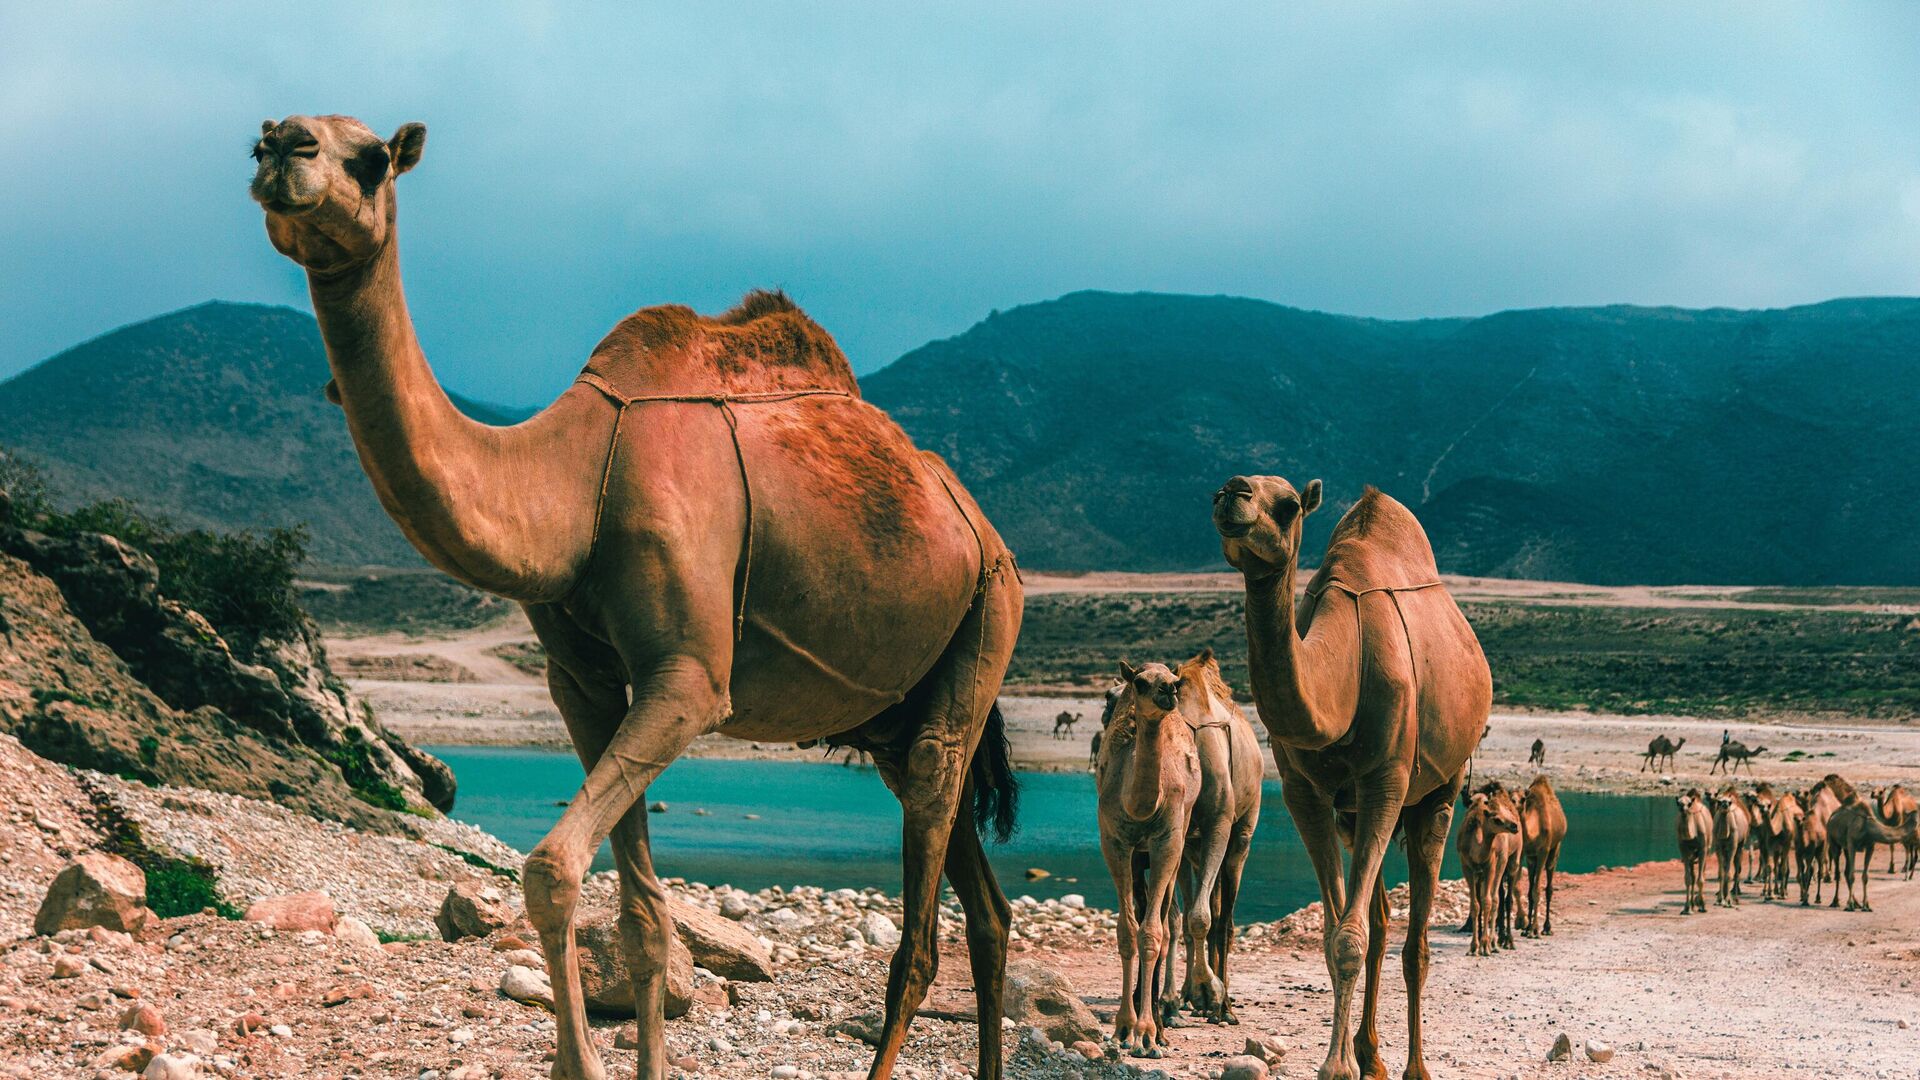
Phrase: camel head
[326,184]
[1155,690]
[1258,518]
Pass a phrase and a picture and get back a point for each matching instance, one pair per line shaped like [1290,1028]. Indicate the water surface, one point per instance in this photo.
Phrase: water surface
[833,826]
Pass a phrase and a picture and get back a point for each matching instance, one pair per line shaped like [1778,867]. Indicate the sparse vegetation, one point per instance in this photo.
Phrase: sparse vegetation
[1834,596]
[1729,662]
[404,601]
[528,656]
[175,886]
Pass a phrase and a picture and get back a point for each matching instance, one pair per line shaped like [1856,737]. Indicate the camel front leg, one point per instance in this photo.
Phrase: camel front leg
[1366,1043]
[1426,828]
[1220,945]
[1381,798]
[1163,864]
[1313,820]
[1126,920]
[678,702]
[1203,989]
[1553,868]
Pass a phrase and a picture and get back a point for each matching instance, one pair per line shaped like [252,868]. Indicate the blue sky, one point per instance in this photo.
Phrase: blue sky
[904,168]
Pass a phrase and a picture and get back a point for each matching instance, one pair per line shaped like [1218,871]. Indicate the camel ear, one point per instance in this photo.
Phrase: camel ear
[267,126]
[1128,672]
[332,390]
[406,146]
[1310,498]
[1206,655]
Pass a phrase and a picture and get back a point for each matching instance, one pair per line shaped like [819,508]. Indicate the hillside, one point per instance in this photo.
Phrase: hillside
[1610,445]
[213,416]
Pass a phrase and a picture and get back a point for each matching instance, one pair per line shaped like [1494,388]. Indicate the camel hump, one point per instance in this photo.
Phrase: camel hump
[1379,544]
[764,344]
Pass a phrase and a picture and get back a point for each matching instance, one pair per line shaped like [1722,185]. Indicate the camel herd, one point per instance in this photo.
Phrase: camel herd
[1818,836]
[1503,833]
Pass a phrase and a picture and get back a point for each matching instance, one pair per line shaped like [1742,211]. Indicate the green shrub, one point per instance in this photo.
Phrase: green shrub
[177,887]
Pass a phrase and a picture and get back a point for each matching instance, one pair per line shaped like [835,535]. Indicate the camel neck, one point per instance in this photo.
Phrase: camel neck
[1307,689]
[1144,787]
[427,461]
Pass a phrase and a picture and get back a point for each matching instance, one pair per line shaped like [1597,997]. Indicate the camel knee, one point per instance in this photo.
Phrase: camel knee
[645,927]
[1349,949]
[552,888]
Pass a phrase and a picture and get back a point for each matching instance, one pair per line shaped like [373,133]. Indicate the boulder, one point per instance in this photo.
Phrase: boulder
[1243,1067]
[721,945]
[607,981]
[1042,997]
[1599,1052]
[172,1067]
[144,1019]
[1268,1048]
[1562,1049]
[878,931]
[95,889]
[472,909]
[353,932]
[295,912]
[527,986]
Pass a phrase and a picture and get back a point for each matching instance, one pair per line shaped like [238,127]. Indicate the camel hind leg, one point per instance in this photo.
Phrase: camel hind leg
[988,917]
[927,775]
[1426,832]
[1220,944]
[1366,1041]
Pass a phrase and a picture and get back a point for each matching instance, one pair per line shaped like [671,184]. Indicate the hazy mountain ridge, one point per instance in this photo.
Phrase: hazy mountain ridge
[214,416]
[1614,444]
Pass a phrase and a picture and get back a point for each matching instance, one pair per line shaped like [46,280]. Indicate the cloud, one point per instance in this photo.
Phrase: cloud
[903,170]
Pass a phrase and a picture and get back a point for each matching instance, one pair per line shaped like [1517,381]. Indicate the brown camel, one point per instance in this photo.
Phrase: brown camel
[1661,748]
[1537,755]
[1695,828]
[1758,803]
[1544,826]
[1810,851]
[1730,828]
[709,531]
[1148,779]
[1374,692]
[1820,802]
[1489,844]
[1781,829]
[1851,832]
[1738,754]
[1064,723]
[1894,805]
[1220,832]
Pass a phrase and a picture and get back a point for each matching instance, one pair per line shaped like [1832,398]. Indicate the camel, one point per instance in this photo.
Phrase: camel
[1820,802]
[1758,802]
[1219,833]
[1810,852]
[1661,748]
[1893,805]
[709,531]
[1730,828]
[1852,831]
[1373,692]
[1093,751]
[1537,755]
[1148,779]
[1489,844]
[1544,827]
[1780,830]
[1695,826]
[1737,753]
[1064,723]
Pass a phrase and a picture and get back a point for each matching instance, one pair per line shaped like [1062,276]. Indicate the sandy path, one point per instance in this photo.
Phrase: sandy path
[1763,990]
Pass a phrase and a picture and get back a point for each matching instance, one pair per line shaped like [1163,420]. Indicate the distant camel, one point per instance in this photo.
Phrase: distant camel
[1064,722]
[1543,829]
[1538,756]
[1737,753]
[1695,828]
[1758,802]
[1852,831]
[1148,778]
[1489,842]
[1661,747]
[1093,751]
[1220,832]
[1730,827]
[1894,805]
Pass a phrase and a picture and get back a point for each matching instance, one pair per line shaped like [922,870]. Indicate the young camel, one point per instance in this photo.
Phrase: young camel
[1810,850]
[1730,827]
[1781,826]
[1894,805]
[1544,828]
[1695,827]
[1148,779]
[709,531]
[1489,844]
[1374,692]
[1852,831]
[1220,833]
[1661,748]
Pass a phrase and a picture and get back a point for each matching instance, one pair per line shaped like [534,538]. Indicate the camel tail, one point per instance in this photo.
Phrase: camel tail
[996,790]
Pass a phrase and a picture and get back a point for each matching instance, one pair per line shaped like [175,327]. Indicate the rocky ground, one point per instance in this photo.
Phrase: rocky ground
[1764,990]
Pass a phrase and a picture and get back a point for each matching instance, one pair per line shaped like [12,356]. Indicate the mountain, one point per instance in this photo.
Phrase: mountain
[1610,445]
[213,416]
